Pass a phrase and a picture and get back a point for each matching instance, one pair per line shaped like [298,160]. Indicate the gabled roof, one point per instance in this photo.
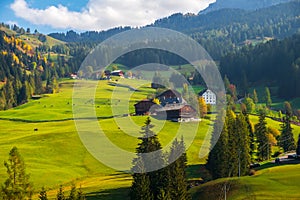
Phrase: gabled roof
[203,91]
[176,93]
[144,100]
[176,106]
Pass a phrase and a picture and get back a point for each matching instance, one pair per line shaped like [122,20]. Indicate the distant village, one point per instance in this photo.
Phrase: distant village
[172,106]
[169,104]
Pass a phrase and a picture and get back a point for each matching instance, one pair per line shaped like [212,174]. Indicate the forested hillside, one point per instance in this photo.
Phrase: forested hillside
[232,36]
[275,63]
[220,31]
[27,70]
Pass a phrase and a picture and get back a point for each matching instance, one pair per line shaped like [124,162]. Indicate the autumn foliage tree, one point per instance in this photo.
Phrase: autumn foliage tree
[202,107]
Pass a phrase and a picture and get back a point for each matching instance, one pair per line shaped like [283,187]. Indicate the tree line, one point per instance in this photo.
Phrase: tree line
[166,183]
[238,142]
[275,63]
[25,71]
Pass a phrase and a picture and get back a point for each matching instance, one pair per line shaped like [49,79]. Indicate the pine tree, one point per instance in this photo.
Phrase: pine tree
[287,141]
[268,97]
[252,145]
[298,146]
[233,140]
[254,97]
[60,194]
[243,144]
[43,194]
[177,171]
[10,95]
[38,83]
[80,194]
[17,185]
[146,164]
[140,188]
[73,193]
[264,148]
[217,162]
[23,94]
[2,100]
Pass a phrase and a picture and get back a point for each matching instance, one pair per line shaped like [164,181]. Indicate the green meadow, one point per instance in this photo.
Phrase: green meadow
[54,154]
[280,182]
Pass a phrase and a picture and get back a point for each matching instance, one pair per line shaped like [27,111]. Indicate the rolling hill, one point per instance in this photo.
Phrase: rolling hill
[281,182]
[34,40]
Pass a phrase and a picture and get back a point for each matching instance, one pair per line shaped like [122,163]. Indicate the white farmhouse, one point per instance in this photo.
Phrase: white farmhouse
[208,96]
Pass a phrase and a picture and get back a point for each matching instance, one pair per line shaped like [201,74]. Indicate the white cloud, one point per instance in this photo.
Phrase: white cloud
[104,14]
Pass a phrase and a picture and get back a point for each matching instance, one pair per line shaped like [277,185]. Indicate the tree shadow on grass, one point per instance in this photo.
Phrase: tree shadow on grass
[110,194]
[198,172]
[272,164]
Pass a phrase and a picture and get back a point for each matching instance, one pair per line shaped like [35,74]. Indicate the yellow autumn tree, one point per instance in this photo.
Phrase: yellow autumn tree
[202,107]
[156,101]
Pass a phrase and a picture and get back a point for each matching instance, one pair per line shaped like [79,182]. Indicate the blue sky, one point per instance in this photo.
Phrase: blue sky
[81,15]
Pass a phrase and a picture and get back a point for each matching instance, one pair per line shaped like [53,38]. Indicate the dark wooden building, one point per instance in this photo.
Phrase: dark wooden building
[169,97]
[177,112]
[143,107]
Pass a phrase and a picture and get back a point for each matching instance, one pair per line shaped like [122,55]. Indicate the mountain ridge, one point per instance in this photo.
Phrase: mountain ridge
[241,4]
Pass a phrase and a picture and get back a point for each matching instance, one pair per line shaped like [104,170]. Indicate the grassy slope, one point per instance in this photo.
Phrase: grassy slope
[281,182]
[55,155]
[32,39]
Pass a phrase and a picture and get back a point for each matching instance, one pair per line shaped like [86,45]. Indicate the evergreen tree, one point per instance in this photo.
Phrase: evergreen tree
[140,188]
[73,193]
[177,172]
[243,144]
[233,145]
[23,96]
[2,100]
[17,185]
[60,194]
[298,146]
[157,81]
[38,83]
[80,194]
[250,106]
[268,97]
[287,141]
[43,194]
[254,97]
[217,162]
[252,145]
[264,148]
[288,109]
[9,95]
[146,163]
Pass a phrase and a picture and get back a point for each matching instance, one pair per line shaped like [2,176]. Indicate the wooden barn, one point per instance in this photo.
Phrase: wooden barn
[170,97]
[177,112]
[143,107]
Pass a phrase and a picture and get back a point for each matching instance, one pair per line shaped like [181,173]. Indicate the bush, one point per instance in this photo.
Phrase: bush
[252,172]
[276,154]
